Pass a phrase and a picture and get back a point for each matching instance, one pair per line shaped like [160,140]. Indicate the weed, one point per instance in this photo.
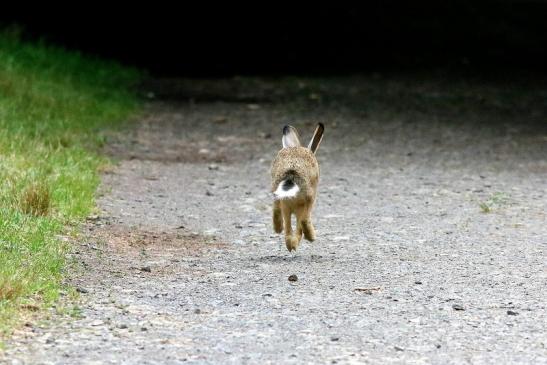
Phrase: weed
[495,201]
[35,199]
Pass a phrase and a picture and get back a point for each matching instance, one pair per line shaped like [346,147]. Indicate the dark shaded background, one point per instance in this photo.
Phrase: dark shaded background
[326,38]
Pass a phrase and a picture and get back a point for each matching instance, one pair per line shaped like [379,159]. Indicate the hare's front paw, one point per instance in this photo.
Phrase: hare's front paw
[292,242]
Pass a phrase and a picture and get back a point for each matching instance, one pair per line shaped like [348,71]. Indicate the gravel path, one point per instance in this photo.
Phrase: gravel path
[431,224]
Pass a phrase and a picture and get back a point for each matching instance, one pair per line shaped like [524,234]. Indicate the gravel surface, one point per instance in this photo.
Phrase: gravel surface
[431,231]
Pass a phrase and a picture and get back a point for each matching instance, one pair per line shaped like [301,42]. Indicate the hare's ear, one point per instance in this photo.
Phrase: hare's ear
[317,137]
[290,137]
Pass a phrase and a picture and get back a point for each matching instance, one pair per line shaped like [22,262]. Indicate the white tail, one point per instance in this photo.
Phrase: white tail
[286,189]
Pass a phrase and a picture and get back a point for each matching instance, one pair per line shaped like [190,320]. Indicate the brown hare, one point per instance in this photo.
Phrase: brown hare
[295,174]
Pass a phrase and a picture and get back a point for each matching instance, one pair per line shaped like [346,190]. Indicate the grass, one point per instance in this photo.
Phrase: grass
[496,200]
[53,106]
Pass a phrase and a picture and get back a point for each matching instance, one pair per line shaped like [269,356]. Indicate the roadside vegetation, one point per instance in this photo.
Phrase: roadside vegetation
[54,107]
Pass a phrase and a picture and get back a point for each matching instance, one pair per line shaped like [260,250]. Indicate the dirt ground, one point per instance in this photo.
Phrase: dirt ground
[431,224]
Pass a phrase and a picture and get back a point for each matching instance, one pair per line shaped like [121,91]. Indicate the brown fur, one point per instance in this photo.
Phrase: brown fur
[299,164]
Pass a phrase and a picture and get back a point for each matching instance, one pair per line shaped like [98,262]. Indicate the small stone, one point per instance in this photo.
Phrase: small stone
[208,193]
[418,282]
[293,278]
[197,311]
[458,307]
[97,322]
[213,167]
[334,338]
[210,232]
[122,326]
[82,290]
[146,269]
[397,348]
[50,340]
[512,313]
[438,345]
[144,329]
[238,226]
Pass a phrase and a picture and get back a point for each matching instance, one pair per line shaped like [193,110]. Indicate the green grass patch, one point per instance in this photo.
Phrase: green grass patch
[54,105]
[495,201]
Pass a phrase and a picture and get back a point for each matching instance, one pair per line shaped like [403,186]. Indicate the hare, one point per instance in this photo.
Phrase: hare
[295,174]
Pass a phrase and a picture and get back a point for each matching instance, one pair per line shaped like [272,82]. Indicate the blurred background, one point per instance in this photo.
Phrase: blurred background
[484,37]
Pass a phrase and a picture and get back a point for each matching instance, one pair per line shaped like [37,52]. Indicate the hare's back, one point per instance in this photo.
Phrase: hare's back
[300,159]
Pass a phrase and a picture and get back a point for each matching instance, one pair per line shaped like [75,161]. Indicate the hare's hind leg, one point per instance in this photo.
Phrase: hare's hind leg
[276,217]
[309,230]
[307,226]
[291,241]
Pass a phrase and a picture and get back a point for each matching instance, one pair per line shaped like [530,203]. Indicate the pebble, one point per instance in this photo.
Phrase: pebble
[458,307]
[512,313]
[293,278]
[146,269]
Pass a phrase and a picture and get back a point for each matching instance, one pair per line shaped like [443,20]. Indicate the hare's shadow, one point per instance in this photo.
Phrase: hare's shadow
[283,258]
